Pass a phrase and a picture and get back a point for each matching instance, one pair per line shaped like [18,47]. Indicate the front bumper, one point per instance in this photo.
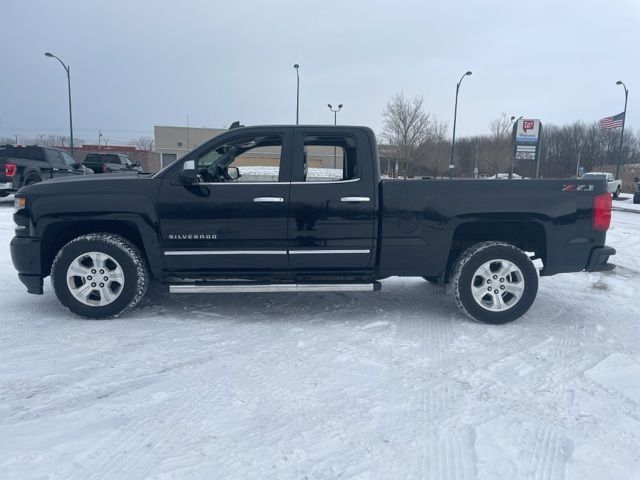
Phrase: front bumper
[25,254]
[598,261]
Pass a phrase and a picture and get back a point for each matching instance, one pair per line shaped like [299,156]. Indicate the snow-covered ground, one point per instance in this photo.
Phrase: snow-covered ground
[388,385]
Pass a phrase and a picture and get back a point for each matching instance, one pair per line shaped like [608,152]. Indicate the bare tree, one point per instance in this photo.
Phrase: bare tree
[500,127]
[143,143]
[405,127]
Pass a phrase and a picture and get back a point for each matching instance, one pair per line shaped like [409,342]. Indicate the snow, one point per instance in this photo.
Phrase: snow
[625,203]
[390,385]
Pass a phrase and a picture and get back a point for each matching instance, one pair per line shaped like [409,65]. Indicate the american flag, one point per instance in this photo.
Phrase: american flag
[612,122]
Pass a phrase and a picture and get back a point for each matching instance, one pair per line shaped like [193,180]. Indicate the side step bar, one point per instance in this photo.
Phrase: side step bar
[274,287]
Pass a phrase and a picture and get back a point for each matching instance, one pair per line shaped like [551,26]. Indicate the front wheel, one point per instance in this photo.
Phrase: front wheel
[494,282]
[99,275]
[616,194]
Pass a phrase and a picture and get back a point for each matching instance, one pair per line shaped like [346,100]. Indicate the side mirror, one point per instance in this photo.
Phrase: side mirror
[233,172]
[188,174]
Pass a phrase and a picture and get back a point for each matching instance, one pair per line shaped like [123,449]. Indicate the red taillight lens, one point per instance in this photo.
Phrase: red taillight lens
[9,170]
[601,212]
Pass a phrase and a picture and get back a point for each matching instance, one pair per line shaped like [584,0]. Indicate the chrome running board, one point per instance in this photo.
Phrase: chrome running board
[274,287]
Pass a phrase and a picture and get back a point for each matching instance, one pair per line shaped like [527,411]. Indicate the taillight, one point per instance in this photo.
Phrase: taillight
[601,218]
[104,168]
[9,170]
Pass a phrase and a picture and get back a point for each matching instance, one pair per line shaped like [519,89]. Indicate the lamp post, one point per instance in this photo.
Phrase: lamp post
[514,120]
[624,118]
[68,70]
[335,122]
[455,117]
[297,67]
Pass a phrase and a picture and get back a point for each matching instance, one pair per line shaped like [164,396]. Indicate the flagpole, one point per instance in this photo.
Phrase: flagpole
[624,118]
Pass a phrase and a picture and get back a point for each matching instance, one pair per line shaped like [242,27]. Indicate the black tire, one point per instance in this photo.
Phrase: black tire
[129,258]
[4,194]
[463,276]
[616,194]
[32,180]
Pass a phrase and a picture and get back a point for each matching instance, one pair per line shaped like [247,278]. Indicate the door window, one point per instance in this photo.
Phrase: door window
[55,158]
[329,159]
[246,159]
[68,159]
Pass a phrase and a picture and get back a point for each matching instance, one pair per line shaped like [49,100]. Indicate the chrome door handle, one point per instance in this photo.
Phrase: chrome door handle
[268,200]
[355,199]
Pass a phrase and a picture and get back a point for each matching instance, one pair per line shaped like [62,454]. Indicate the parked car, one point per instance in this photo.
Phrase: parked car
[111,163]
[613,185]
[201,225]
[26,165]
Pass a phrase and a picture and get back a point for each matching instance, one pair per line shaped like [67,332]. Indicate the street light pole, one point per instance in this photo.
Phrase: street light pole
[624,118]
[455,118]
[68,70]
[297,67]
[335,122]
[514,120]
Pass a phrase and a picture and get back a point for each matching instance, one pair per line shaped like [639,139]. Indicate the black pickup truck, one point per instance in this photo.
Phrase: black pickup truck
[303,208]
[111,163]
[25,165]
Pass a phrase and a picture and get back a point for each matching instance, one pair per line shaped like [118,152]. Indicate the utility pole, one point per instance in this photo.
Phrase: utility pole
[41,138]
[16,135]
[475,170]
[624,118]
[99,138]
[297,67]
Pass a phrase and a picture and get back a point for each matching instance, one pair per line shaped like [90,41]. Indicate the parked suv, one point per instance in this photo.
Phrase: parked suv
[111,163]
[25,165]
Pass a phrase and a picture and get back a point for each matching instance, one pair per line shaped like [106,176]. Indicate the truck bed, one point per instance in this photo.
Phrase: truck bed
[422,219]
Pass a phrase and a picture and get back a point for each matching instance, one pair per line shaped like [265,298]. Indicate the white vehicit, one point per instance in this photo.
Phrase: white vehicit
[613,185]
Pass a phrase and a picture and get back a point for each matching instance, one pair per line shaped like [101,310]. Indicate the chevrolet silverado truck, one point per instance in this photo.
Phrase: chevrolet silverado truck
[299,209]
[26,165]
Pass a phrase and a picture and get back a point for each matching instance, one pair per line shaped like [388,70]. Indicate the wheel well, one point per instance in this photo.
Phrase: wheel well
[59,234]
[527,236]
[32,174]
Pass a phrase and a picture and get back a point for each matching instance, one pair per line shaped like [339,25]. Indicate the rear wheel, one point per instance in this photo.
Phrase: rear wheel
[32,180]
[616,194]
[99,275]
[494,282]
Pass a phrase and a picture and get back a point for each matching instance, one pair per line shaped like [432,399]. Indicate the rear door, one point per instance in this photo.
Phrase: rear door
[333,201]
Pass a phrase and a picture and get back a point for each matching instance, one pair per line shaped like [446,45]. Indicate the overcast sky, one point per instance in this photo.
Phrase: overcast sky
[136,64]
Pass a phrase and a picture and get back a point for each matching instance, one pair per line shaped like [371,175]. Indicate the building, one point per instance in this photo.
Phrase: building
[173,142]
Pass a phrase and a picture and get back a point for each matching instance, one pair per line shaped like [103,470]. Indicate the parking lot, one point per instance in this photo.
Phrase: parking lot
[395,384]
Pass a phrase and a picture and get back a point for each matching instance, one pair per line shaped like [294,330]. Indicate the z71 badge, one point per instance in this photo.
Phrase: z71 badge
[581,187]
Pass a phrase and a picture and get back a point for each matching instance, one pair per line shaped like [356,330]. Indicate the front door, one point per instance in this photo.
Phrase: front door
[60,165]
[225,223]
[333,201]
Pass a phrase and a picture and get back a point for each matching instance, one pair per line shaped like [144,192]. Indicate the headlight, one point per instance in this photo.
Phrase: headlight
[19,203]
